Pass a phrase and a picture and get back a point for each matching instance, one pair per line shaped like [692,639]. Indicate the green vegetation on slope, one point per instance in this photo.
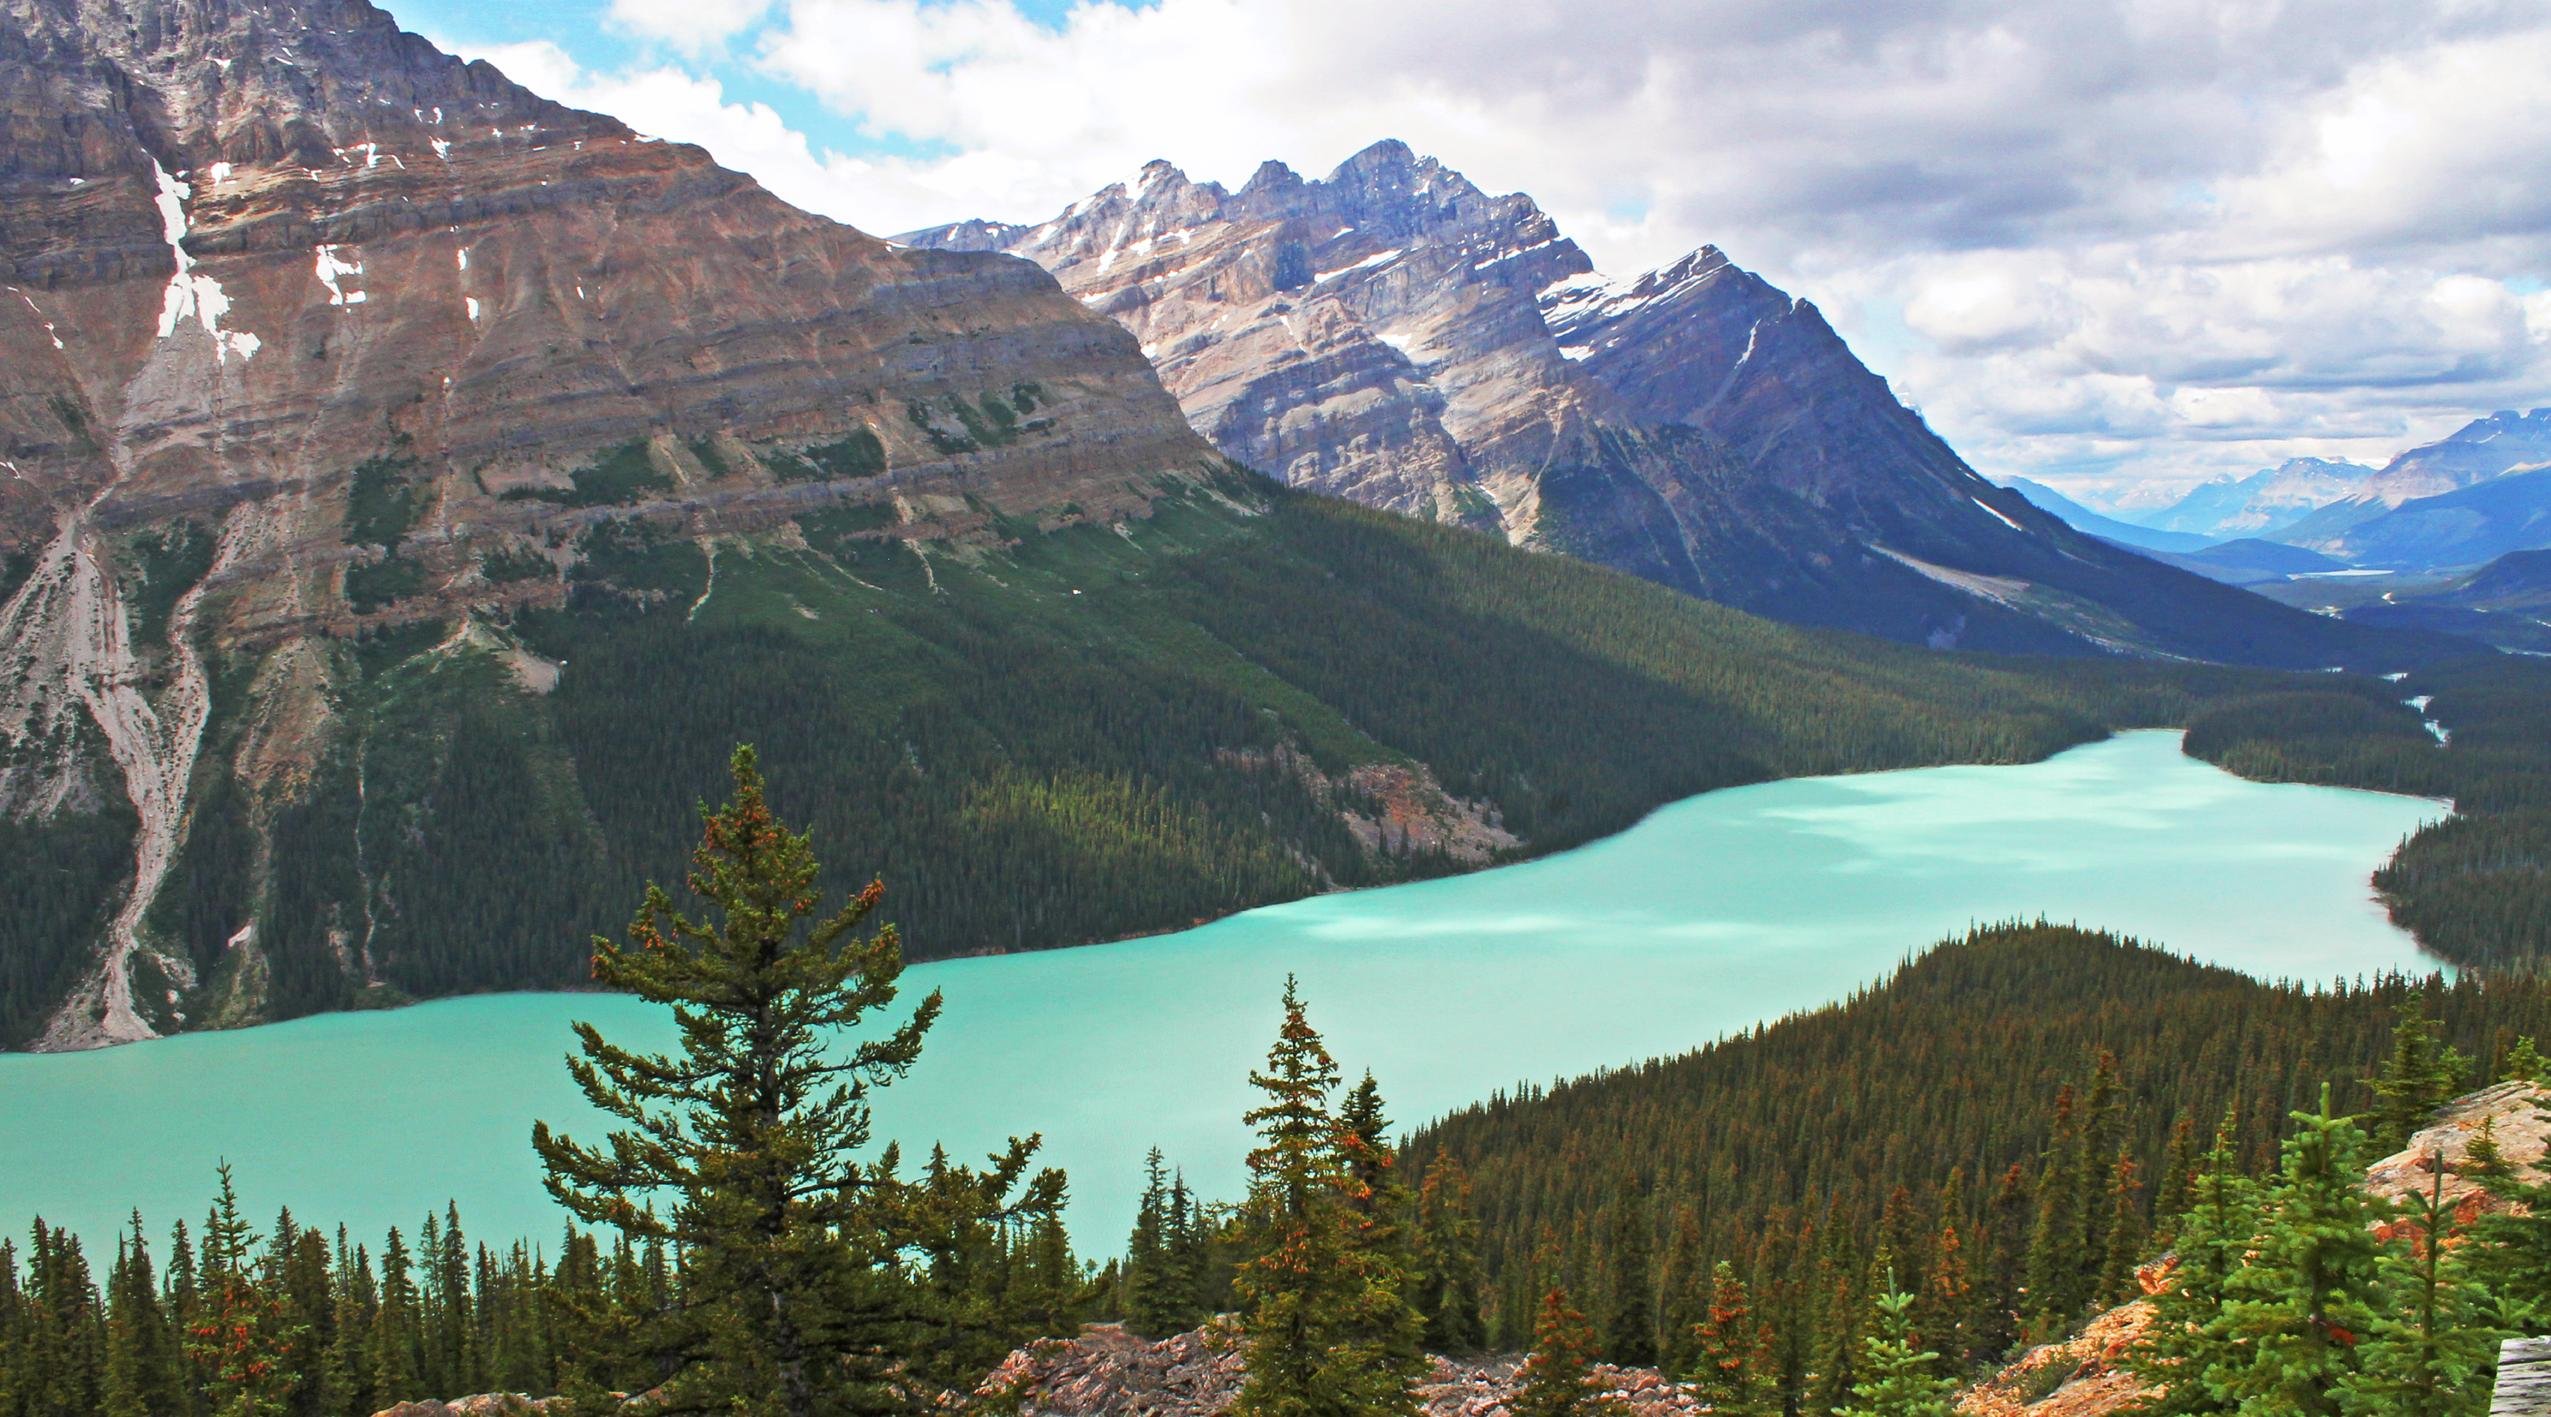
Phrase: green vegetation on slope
[1945,1118]
[1087,734]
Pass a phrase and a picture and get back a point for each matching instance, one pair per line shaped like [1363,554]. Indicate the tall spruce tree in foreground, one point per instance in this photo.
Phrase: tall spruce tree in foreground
[738,1148]
[2214,1239]
[1326,1329]
[2433,1347]
[2287,1337]
[1898,1377]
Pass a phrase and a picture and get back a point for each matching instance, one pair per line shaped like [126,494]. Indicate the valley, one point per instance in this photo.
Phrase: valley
[1711,916]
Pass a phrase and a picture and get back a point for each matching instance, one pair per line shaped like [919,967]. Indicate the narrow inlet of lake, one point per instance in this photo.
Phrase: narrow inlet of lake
[1712,915]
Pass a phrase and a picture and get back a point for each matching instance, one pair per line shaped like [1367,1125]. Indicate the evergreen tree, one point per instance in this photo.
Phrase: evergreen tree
[2057,1287]
[1447,1259]
[1325,1327]
[1729,1375]
[2286,1340]
[2185,1338]
[241,1343]
[1944,1311]
[2524,1063]
[1898,1377]
[145,1373]
[1557,1380]
[2124,1239]
[1628,1333]
[792,1299]
[397,1341]
[1152,1306]
[2433,1347]
[2422,1072]
[2483,1157]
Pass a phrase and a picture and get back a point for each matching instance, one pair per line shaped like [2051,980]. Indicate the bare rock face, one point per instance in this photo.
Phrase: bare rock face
[1107,1372]
[1393,334]
[307,328]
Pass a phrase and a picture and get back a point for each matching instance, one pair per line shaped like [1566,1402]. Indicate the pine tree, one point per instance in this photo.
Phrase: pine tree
[145,1374]
[2524,1063]
[2124,1231]
[792,1301]
[2057,1287]
[2178,1180]
[1447,1259]
[1898,1377]
[397,1359]
[240,1342]
[1998,1320]
[1557,1380]
[2185,1338]
[2433,1347]
[1152,1308]
[2483,1157]
[1728,1375]
[2421,1073]
[2293,1317]
[1325,1327]
[1628,1333]
[1944,1310]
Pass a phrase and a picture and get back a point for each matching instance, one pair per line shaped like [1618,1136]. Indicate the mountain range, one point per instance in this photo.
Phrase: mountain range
[2262,502]
[415,487]
[1393,334]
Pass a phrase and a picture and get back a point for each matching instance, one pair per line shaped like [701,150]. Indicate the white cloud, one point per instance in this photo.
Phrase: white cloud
[693,25]
[2130,238]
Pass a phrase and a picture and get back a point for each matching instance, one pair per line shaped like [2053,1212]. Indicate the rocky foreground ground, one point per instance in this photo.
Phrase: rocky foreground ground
[1107,1372]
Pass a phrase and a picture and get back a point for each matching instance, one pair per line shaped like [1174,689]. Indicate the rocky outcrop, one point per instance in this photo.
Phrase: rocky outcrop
[1107,1372]
[1393,334]
[495,1404]
[309,329]
[2085,1376]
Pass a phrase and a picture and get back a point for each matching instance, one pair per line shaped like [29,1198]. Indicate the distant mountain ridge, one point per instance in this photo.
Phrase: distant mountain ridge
[2263,501]
[2104,526]
[2479,451]
[1392,334]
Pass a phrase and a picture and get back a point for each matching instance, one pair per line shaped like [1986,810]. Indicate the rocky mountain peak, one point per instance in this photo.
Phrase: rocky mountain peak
[1393,334]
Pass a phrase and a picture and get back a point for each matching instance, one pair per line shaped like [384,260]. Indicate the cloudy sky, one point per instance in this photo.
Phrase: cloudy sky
[2113,244]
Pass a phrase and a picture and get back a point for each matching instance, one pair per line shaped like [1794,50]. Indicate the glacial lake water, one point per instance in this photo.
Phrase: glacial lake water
[1711,915]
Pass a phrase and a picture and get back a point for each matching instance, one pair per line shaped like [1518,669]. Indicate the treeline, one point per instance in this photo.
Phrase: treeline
[2006,1128]
[1072,739]
[295,1321]
[2476,889]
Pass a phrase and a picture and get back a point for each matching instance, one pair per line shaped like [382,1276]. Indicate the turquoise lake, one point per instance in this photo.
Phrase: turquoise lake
[1711,915]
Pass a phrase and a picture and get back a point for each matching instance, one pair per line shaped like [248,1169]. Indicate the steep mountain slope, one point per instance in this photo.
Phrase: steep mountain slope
[2451,530]
[2106,528]
[1393,334]
[415,488]
[2479,451]
[309,326]
[2265,500]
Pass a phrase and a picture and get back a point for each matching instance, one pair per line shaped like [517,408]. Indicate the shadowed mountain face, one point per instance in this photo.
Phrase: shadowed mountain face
[1392,334]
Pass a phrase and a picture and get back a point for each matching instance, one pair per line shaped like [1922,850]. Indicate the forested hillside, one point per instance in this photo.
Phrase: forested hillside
[2003,1126]
[2476,888]
[1248,696]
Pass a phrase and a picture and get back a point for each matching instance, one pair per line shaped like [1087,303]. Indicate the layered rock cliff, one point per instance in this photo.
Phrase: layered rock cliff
[311,329]
[1393,334]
